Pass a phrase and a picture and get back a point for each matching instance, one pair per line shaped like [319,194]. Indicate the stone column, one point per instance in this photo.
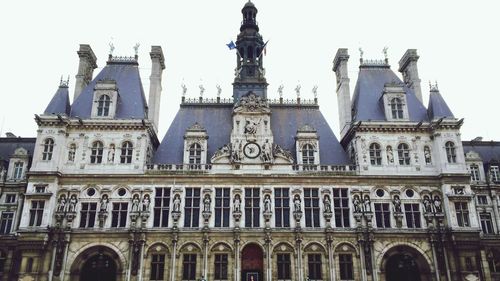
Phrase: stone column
[205,255]
[174,255]
[269,271]
[331,261]
[237,272]
[298,243]
[434,258]
[361,244]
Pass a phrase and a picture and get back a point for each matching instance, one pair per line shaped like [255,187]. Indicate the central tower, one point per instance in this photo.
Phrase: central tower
[250,73]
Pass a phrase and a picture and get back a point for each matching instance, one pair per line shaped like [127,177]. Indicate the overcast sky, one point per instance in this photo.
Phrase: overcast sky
[458,44]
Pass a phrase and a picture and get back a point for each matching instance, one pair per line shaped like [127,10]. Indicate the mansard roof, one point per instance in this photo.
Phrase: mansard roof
[367,104]
[60,102]
[437,106]
[9,145]
[488,150]
[217,120]
[131,102]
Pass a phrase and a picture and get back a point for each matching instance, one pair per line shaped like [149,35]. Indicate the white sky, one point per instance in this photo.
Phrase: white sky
[458,43]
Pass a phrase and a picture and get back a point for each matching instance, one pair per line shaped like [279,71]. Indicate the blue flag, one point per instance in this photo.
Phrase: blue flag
[231,45]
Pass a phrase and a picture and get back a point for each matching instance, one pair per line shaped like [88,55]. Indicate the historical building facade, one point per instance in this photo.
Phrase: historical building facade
[248,188]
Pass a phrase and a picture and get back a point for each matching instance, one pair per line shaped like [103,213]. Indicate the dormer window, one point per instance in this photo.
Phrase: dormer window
[127,151]
[474,172]
[103,105]
[195,154]
[48,148]
[397,108]
[404,154]
[18,170]
[96,152]
[195,146]
[307,143]
[308,154]
[494,173]
[451,152]
[375,154]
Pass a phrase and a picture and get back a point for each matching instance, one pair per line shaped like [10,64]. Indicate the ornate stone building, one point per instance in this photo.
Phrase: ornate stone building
[248,188]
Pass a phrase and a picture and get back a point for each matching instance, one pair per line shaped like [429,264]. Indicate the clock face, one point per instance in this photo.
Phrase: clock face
[251,150]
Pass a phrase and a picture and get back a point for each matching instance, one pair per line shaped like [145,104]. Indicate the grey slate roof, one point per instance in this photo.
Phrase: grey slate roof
[9,145]
[488,150]
[366,103]
[437,106]
[59,103]
[217,120]
[131,100]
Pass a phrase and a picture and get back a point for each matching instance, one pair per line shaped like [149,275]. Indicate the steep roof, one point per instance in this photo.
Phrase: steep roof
[9,145]
[217,120]
[131,100]
[488,150]
[366,103]
[60,102]
[437,106]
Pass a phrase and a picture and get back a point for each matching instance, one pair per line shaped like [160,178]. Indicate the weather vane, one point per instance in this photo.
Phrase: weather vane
[136,48]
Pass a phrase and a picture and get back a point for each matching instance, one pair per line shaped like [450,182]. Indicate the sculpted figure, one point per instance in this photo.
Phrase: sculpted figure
[61,204]
[356,202]
[104,203]
[237,203]
[397,204]
[327,204]
[367,204]
[177,203]
[437,204]
[111,153]
[145,203]
[206,203]
[135,203]
[72,203]
[267,204]
[427,204]
[297,204]
[390,156]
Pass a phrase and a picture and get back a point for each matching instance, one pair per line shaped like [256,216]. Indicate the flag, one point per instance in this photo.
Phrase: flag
[264,49]
[231,45]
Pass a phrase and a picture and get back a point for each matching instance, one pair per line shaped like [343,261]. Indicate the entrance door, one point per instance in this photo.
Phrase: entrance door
[252,263]
[99,268]
[402,267]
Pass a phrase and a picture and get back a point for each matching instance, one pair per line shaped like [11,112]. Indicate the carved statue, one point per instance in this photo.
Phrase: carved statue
[367,203]
[397,204]
[297,204]
[61,204]
[427,155]
[206,203]
[390,156]
[111,153]
[104,203]
[135,203]
[427,204]
[177,203]
[437,204]
[72,153]
[145,203]
[356,202]
[72,203]
[251,126]
[327,204]
[279,151]
[267,204]
[237,203]
[266,152]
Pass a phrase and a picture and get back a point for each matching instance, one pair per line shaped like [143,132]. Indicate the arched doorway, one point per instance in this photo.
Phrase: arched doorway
[405,263]
[252,263]
[99,268]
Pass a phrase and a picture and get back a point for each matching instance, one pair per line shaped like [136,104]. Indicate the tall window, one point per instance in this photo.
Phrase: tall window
[157,267]
[252,207]
[450,152]
[222,207]
[486,224]
[195,153]
[404,154]
[36,212]
[382,215]
[474,172]
[412,213]
[6,222]
[127,150]
[375,154]
[482,200]
[494,173]
[87,215]
[192,207]
[103,105]
[220,264]
[284,266]
[18,170]
[282,207]
[462,211]
[10,198]
[397,108]
[189,267]
[341,207]
[346,267]
[119,215]
[314,266]
[311,207]
[162,207]
[48,148]
[308,154]
[96,152]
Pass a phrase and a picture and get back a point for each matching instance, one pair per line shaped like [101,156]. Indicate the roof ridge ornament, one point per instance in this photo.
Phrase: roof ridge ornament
[433,87]
[361,55]
[315,91]
[384,51]
[297,90]
[219,90]
[280,90]
[64,83]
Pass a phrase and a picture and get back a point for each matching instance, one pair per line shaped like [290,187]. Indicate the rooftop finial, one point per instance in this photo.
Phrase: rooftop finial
[384,51]
[202,90]
[184,89]
[111,48]
[315,91]
[433,87]
[136,48]
[280,90]
[219,90]
[297,90]
[64,83]
[361,54]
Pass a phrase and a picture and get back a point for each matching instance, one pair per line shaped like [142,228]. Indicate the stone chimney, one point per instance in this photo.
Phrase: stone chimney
[85,68]
[157,67]
[343,90]
[408,67]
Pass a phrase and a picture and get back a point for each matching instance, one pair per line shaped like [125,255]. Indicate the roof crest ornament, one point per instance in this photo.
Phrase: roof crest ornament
[136,48]
[64,83]
[219,90]
[280,90]
[315,91]
[384,51]
[111,48]
[184,89]
[297,90]
[433,87]
[361,54]
[202,90]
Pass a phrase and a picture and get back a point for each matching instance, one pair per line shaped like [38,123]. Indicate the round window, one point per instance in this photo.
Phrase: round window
[380,192]
[122,191]
[90,192]
[410,193]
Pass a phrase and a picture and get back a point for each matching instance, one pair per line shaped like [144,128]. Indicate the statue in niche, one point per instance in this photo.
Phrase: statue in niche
[427,204]
[327,204]
[61,204]
[397,204]
[72,203]
[111,153]
[357,204]
[237,203]
[135,203]
[71,153]
[267,204]
[206,203]
[145,203]
[437,204]
[390,156]
[297,204]
[367,204]
[427,155]
[104,203]
[177,204]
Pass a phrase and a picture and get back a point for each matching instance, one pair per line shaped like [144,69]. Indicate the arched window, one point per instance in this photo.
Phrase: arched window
[375,154]
[195,153]
[397,108]
[307,154]
[96,152]
[71,152]
[450,152]
[127,150]
[48,147]
[404,154]
[103,105]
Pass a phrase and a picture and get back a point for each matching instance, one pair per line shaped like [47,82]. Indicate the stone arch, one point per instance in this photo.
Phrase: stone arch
[310,246]
[422,260]
[153,246]
[278,247]
[185,247]
[217,244]
[243,245]
[336,248]
[92,250]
